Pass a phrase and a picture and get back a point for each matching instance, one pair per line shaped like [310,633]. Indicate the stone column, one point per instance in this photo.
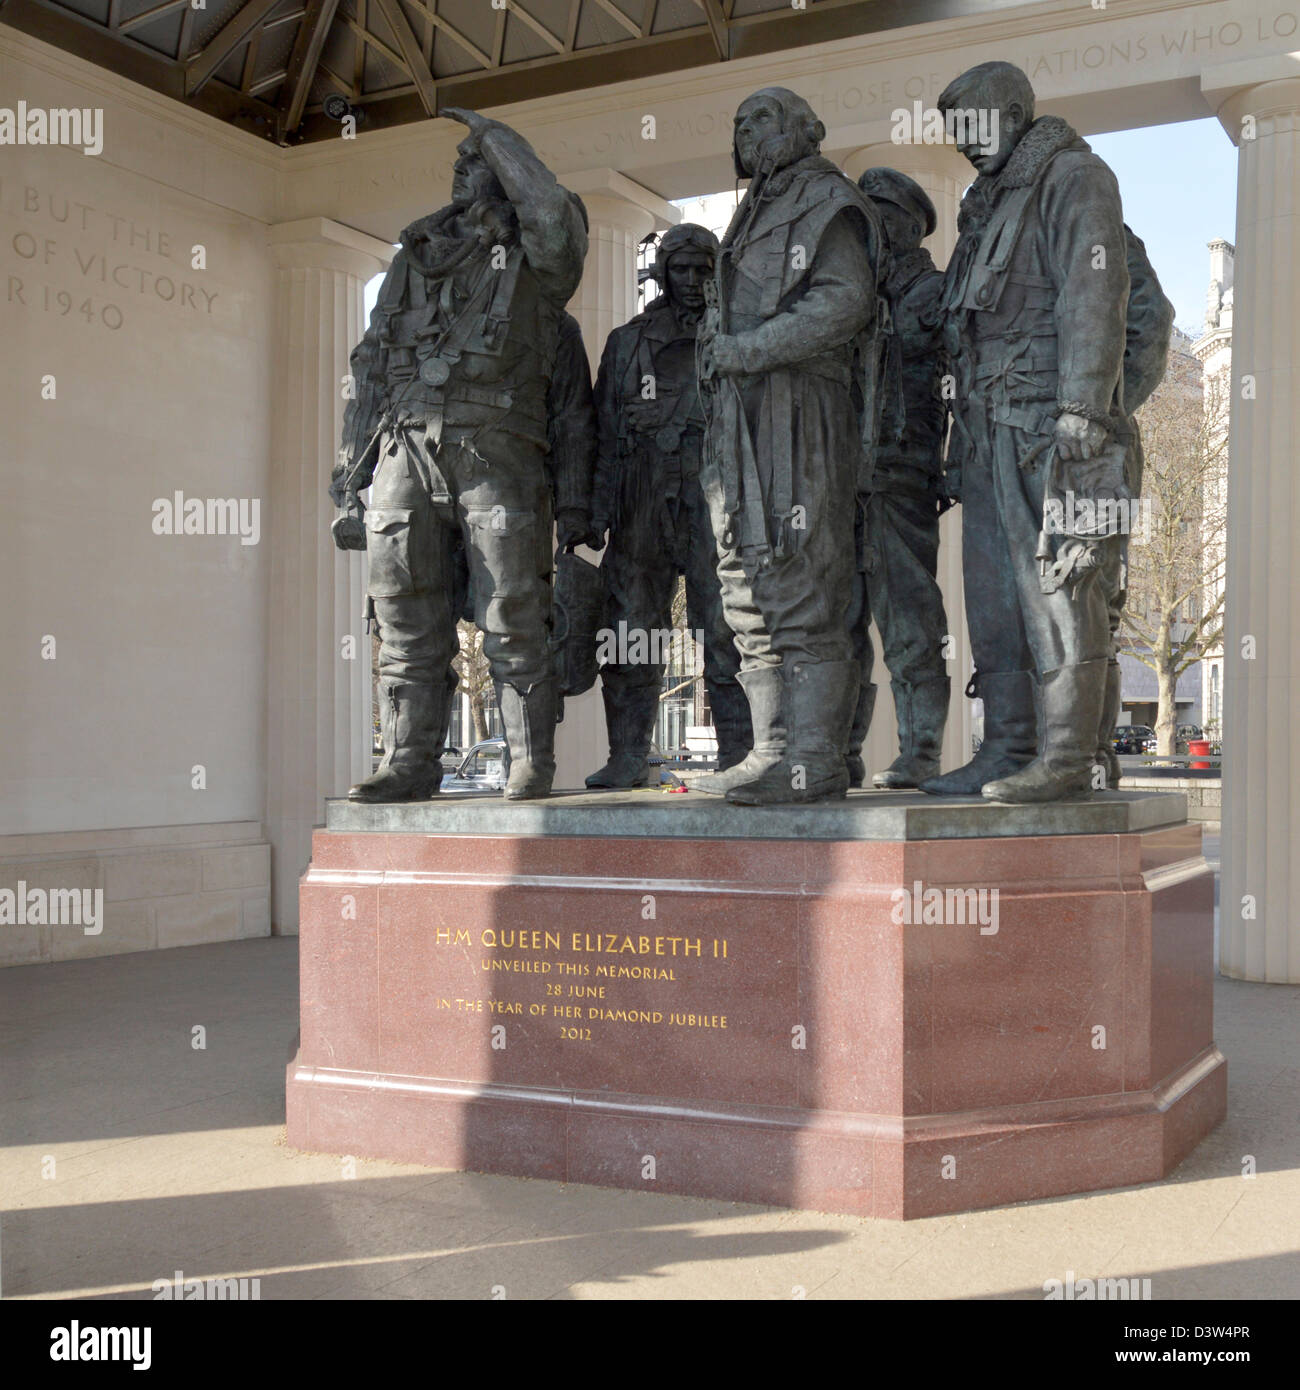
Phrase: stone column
[944,175]
[319,686]
[1258,102]
[621,214]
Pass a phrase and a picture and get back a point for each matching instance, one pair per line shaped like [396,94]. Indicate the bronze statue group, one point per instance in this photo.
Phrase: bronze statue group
[783,426]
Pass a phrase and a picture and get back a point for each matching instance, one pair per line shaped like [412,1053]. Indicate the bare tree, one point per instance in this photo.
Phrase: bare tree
[1175,609]
[475,675]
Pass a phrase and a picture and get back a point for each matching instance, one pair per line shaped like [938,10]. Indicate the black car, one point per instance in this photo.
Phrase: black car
[1133,738]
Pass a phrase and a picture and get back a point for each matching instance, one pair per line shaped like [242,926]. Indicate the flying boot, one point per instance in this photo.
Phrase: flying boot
[820,698]
[731,722]
[866,705]
[529,720]
[414,719]
[1009,735]
[922,711]
[630,720]
[1110,707]
[762,687]
[1072,703]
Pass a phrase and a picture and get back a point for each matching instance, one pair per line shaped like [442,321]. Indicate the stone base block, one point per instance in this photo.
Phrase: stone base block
[828,1008]
[137,890]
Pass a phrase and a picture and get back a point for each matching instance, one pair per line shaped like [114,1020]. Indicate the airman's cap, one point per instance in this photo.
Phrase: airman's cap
[889,186]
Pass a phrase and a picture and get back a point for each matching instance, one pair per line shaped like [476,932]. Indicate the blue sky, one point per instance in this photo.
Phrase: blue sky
[1179,185]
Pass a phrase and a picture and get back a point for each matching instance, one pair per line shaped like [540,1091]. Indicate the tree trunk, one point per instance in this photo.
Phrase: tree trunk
[479,715]
[1166,711]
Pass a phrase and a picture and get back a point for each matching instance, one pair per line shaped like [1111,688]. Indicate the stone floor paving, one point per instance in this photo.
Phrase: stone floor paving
[130,1153]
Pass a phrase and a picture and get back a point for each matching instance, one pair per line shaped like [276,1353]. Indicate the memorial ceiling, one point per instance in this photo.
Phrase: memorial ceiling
[292,69]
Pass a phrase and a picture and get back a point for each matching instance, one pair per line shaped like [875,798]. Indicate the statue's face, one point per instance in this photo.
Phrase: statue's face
[1012,124]
[472,180]
[759,119]
[901,228]
[687,272]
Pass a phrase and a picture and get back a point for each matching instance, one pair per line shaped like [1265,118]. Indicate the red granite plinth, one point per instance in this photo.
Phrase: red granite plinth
[795,1022]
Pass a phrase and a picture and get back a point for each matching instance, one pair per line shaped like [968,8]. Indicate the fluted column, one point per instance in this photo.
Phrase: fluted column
[944,175]
[1259,105]
[621,213]
[319,689]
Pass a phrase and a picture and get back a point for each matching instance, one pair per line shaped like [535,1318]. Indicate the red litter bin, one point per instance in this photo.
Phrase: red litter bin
[1199,748]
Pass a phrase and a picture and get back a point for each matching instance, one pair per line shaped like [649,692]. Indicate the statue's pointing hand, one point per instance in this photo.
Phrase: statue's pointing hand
[471,119]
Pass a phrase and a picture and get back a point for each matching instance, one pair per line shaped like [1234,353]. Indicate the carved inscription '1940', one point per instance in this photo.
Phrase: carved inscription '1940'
[119,256]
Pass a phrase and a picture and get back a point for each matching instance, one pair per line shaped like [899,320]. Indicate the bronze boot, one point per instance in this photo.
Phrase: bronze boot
[820,698]
[866,706]
[922,713]
[630,712]
[763,690]
[414,721]
[529,719]
[1072,701]
[1010,740]
[1107,758]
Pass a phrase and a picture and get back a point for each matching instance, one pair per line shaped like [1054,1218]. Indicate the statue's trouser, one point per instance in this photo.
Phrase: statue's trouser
[488,495]
[1114,580]
[640,570]
[1016,629]
[790,616]
[897,586]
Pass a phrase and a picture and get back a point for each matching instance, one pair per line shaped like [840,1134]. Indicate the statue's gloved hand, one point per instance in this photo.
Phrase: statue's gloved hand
[337,475]
[349,531]
[721,356]
[572,527]
[1100,477]
[599,530]
[1077,437]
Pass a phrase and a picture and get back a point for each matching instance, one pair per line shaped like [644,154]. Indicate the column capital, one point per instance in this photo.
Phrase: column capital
[613,197]
[323,244]
[1259,87]
[934,161]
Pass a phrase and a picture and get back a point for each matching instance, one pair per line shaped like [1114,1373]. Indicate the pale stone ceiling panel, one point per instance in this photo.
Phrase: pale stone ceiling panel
[523,42]
[232,70]
[210,22]
[161,34]
[380,74]
[95,9]
[596,27]
[552,13]
[676,14]
[476,19]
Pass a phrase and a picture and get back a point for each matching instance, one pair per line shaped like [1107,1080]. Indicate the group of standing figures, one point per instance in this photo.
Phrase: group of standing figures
[783,426]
